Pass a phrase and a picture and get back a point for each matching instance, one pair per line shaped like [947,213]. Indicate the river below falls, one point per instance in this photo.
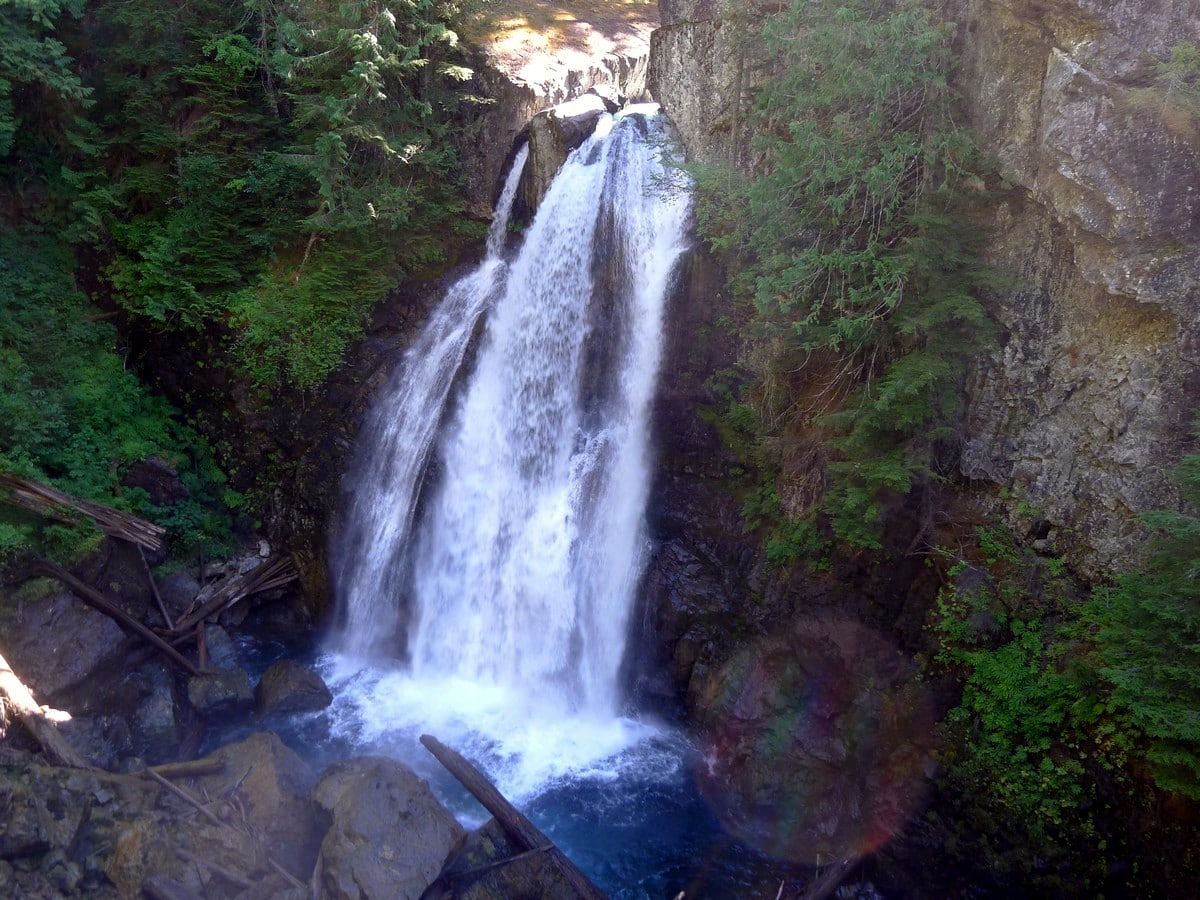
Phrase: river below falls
[632,819]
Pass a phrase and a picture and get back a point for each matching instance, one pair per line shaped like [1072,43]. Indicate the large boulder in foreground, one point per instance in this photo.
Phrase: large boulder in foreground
[268,787]
[390,836]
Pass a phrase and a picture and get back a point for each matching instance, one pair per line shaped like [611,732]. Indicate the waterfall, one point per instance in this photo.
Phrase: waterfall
[394,447]
[529,547]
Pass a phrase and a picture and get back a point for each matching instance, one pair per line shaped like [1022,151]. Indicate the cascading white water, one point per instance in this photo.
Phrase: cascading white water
[527,554]
[394,448]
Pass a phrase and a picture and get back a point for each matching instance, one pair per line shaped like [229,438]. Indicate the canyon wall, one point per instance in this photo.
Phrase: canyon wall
[1075,419]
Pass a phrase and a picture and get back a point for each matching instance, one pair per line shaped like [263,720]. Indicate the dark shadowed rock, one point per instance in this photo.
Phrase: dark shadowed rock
[56,641]
[553,134]
[222,653]
[178,590]
[158,478]
[154,722]
[288,687]
[390,836]
[219,691]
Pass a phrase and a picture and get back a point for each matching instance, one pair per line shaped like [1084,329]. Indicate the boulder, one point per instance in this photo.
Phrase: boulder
[553,134]
[390,836]
[288,687]
[222,654]
[270,785]
[56,641]
[178,590]
[219,691]
[154,722]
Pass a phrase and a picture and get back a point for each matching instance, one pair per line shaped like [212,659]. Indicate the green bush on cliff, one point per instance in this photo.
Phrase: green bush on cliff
[72,414]
[854,241]
[1033,736]
[1148,628]
[252,151]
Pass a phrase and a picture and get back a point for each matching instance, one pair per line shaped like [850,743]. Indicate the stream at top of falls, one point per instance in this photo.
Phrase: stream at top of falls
[492,538]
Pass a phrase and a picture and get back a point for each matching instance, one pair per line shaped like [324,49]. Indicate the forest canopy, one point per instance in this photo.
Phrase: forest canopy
[249,177]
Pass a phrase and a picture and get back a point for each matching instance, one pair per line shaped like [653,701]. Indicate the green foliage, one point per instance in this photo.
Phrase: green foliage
[1148,628]
[254,149]
[1034,733]
[71,413]
[35,67]
[1179,77]
[853,239]
[298,330]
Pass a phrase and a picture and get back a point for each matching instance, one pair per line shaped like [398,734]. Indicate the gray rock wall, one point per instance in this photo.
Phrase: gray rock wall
[1089,400]
[489,134]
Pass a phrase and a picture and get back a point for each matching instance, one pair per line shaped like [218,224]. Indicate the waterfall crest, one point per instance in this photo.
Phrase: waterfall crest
[520,571]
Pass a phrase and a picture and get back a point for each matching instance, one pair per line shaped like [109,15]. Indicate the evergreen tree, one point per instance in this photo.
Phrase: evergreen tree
[854,241]
[1148,629]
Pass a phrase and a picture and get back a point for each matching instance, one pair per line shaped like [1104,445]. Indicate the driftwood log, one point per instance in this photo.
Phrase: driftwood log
[17,698]
[520,830]
[271,574]
[61,507]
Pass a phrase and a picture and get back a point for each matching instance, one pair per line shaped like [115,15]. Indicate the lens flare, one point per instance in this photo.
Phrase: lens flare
[819,740]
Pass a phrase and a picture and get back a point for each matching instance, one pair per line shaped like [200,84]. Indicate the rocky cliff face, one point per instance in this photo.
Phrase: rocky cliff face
[521,77]
[1074,421]
[1090,397]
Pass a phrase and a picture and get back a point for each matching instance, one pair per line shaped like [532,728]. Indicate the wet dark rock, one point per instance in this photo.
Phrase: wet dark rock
[56,641]
[219,691]
[222,653]
[159,479]
[288,687]
[178,590]
[390,836]
[154,721]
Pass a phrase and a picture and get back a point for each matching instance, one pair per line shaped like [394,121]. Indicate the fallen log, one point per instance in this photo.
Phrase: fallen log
[520,830]
[271,574]
[17,697]
[61,507]
[828,880]
[102,604]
